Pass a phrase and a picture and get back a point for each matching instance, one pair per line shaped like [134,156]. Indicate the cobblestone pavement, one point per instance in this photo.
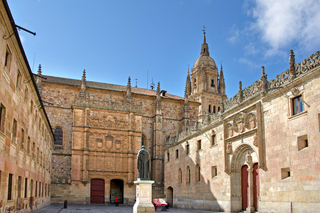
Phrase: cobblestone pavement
[58,208]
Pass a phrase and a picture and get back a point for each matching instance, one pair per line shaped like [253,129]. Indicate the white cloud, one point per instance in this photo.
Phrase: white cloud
[235,34]
[248,62]
[282,23]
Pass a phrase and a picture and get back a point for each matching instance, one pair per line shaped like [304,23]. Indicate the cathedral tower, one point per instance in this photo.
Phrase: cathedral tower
[207,86]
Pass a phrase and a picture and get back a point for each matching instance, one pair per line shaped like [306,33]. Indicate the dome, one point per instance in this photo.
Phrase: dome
[206,61]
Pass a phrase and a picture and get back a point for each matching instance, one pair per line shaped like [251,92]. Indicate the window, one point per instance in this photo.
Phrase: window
[18,83]
[10,187]
[7,59]
[195,83]
[209,108]
[212,82]
[58,135]
[285,173]
[302,142]
[168,156]
[177,153]
[218,109]
[25,187]
[143,140]
[38,155]
[2,117]
[180,176]
[36,190]
[214,172]
[213,139]
[188,149]
[28,146]
[39,189]
[22,139]
[188,175]
[198,174]
[31,188]
[214,109]
[14,131]
[33,150]
[31,106]
[297,105]
[199,144]
[19,186]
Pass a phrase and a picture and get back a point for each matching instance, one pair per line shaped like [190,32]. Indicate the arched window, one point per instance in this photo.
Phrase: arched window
[143,140]
[209,108]
[58,136]
[198,174]
[180,176]
[188,176]
[218,109]
[212,82]
[195,83]
[214,109]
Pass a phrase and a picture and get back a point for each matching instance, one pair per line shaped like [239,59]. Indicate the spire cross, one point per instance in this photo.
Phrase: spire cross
[204,29]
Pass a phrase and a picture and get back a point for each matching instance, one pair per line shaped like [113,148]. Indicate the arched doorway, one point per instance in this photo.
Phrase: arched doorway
[170,196]
[244,186]
[239,178]
[116,190]
[97,191]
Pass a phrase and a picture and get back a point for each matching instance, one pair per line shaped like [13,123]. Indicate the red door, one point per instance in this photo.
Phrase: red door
[255,186]
[97,191]
[244,187]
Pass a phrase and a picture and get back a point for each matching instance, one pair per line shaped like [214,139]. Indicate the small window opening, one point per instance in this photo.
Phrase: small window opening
[214,172]
[285,173]
[177,153]
[199,144]
[302,142]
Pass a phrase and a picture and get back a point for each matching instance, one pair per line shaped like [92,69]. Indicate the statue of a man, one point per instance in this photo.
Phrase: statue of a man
[143,164]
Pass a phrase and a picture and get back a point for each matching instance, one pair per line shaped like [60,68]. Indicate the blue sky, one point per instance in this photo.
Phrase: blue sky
[116,39]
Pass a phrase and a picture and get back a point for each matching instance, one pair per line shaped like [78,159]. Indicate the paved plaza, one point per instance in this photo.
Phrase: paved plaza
[58,208]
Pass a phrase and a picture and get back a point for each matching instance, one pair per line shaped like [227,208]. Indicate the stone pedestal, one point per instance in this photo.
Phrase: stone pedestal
[143,196]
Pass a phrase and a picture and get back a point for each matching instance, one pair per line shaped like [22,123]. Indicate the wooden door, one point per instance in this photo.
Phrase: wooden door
[255,186]
[244,187]
[97,191]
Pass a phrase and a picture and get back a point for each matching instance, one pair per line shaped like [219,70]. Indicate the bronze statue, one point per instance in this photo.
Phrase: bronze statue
[143,164]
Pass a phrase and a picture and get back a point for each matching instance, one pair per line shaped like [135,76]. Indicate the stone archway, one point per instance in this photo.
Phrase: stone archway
[238,162]
[116,190]
[169,196]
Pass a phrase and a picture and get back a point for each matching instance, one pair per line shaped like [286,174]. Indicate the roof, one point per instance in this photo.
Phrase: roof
[105,86]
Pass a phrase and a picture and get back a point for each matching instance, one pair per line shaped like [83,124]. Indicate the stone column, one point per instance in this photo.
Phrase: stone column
[143,197]
[250,207]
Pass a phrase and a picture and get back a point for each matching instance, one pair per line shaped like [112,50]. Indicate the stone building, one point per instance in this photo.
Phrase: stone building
[260,152]
[26,138]
[99,129]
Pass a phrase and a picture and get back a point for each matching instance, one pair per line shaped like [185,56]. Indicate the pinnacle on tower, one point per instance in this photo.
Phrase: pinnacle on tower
[39,70]
[221,86]
[204,46]
[291,64]
[83,85]
[188,85]
[128,97]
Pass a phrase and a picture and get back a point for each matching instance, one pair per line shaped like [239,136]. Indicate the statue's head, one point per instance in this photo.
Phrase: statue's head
[143,147]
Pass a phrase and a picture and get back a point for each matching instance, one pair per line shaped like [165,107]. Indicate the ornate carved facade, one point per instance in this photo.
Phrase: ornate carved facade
[266,135]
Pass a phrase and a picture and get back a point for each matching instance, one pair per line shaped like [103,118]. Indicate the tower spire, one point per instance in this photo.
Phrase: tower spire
[187,91]
[204,46]
[129,97]
[222,86]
